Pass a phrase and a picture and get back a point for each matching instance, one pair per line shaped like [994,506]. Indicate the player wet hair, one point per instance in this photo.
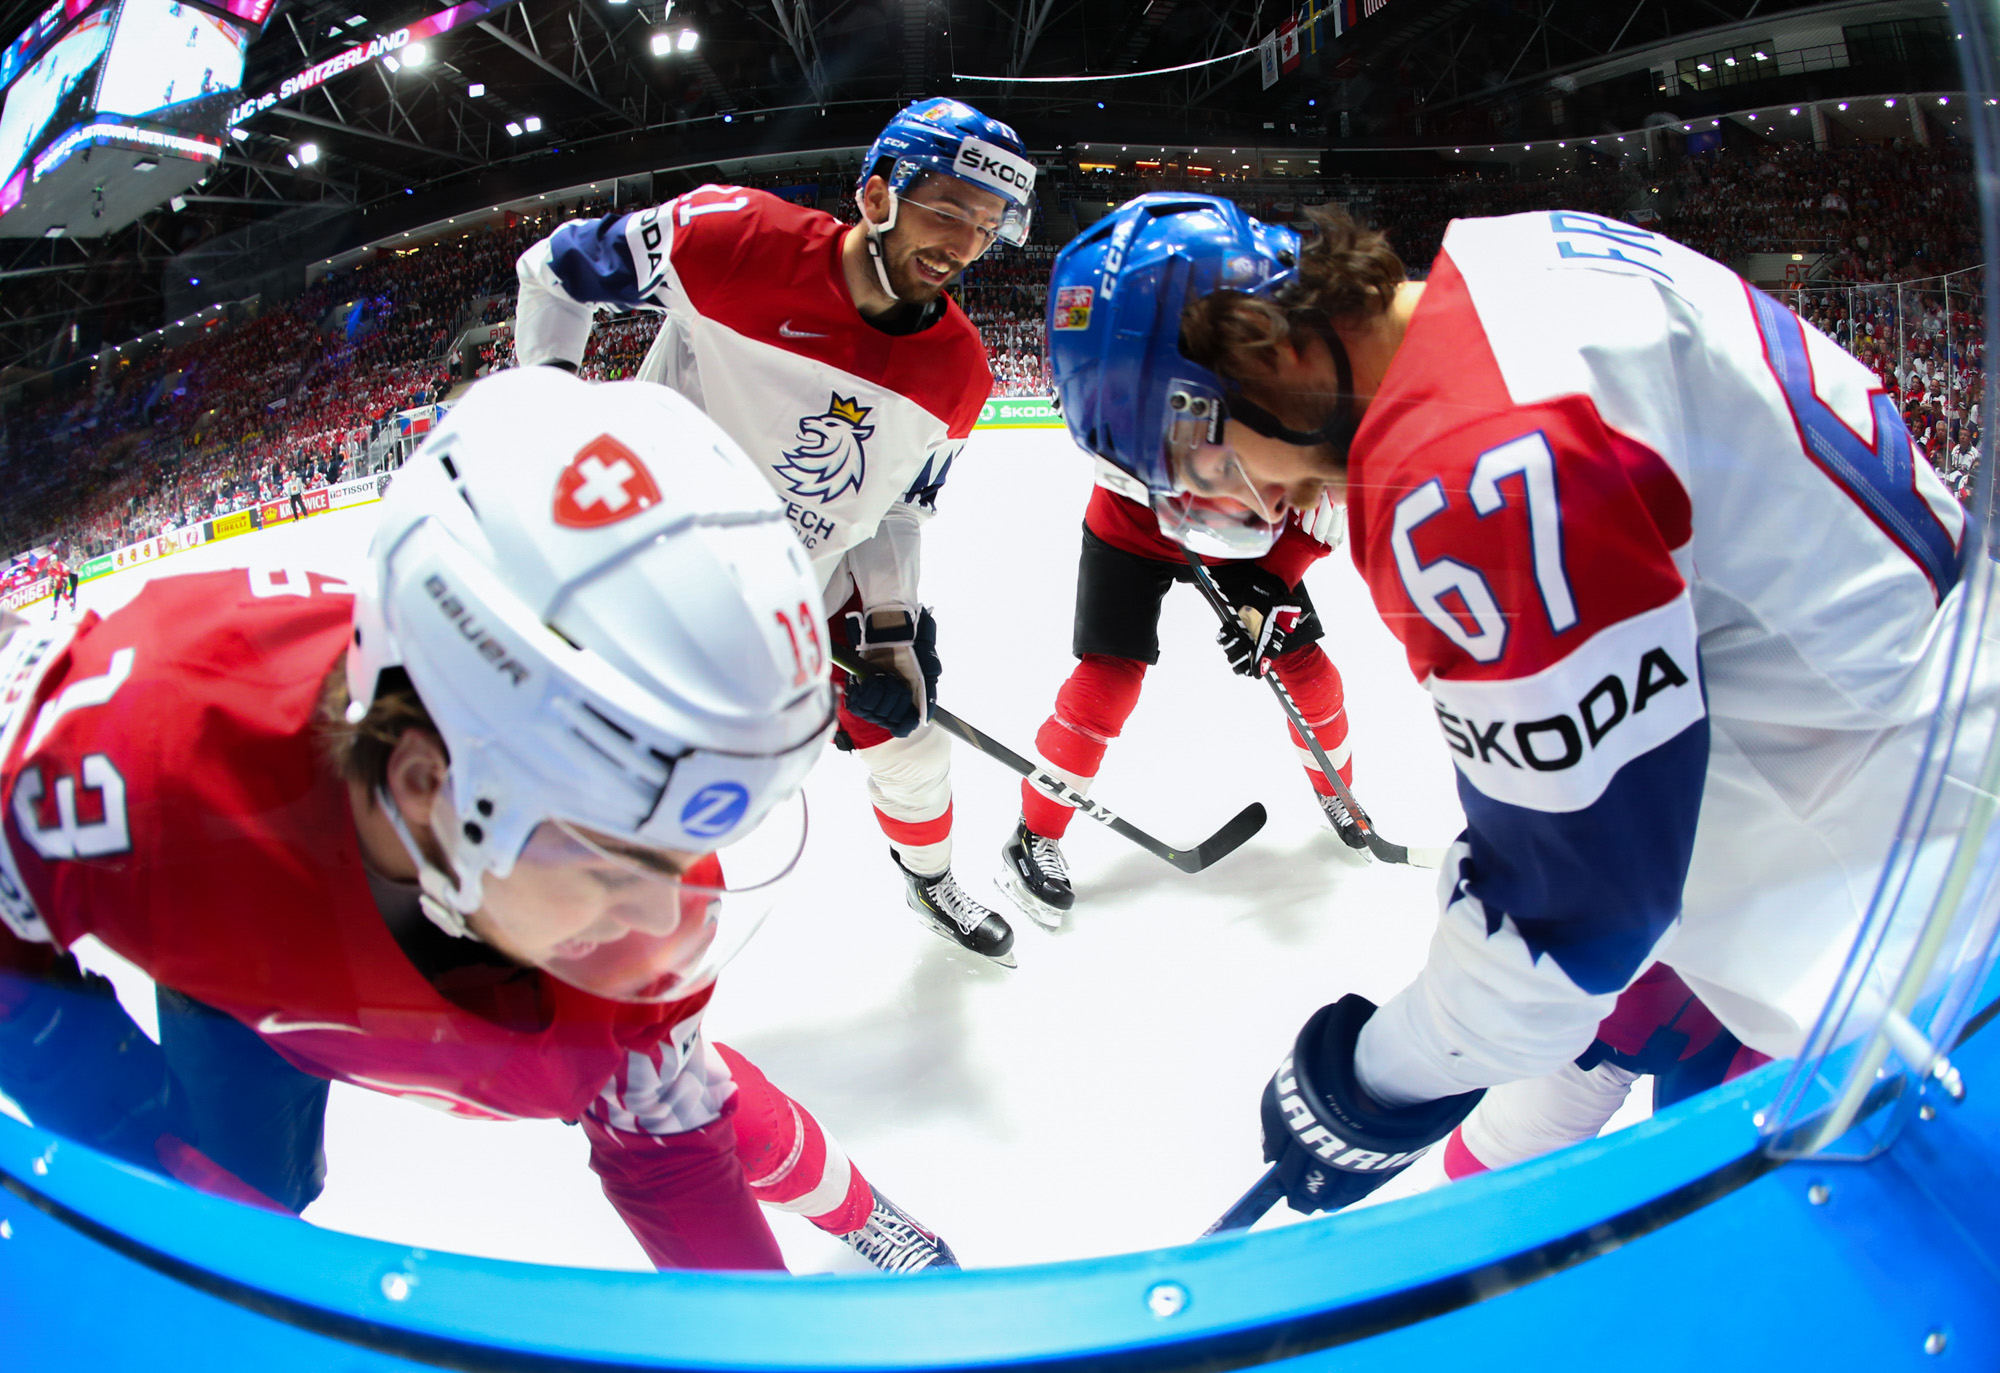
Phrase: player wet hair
[360,752]
[1347,274]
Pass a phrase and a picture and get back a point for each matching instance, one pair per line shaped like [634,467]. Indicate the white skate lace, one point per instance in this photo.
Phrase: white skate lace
[1046,854]
[948,897]
[892,1242]
[1336,811]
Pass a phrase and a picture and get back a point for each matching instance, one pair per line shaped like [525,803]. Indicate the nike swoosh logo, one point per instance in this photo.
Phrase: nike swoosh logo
[273,1025]
[786,330]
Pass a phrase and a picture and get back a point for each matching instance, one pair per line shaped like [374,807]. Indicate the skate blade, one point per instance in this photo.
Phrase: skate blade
[947,931]
[1037,910]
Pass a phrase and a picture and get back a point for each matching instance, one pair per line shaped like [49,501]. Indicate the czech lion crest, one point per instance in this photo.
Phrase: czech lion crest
[829,460]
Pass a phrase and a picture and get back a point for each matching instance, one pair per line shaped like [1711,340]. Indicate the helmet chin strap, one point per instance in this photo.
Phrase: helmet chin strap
[448,901]
[873,234]
[1336,431]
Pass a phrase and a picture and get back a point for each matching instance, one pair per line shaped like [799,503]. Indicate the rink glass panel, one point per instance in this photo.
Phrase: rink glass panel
[1879,1053]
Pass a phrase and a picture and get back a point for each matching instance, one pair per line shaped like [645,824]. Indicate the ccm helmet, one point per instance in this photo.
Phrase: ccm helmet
[600,602]
[1127,392]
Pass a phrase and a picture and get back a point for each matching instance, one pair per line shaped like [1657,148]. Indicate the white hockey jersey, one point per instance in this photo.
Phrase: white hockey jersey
[856,429]
[1682,593]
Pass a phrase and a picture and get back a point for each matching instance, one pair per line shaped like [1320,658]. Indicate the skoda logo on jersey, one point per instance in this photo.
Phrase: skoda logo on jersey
[715,810]
[829,460]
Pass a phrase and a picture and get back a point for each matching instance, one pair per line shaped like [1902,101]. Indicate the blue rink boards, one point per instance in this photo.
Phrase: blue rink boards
[1672,1245]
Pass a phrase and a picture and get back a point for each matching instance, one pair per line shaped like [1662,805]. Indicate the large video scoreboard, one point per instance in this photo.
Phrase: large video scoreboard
[113,106]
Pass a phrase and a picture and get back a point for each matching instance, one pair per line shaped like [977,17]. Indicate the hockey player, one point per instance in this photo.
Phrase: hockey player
[1122,578]
[442,834]
[832,355]
[1673,720]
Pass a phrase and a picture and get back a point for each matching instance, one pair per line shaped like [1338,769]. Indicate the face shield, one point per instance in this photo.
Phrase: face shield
[629,923]
[1214,508]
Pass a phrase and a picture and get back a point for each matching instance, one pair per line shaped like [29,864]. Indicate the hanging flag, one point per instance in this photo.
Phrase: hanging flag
[1288,46]
[1267,60]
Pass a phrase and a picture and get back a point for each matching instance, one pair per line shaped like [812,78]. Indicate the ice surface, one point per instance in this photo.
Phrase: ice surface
[1101,1097]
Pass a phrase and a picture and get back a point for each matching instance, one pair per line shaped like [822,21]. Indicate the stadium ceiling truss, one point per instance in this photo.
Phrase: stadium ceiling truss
[796,73]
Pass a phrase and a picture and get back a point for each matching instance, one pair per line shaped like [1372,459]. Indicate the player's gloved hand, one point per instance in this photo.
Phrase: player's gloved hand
[1267,612]
[1331,1144]
[901,645]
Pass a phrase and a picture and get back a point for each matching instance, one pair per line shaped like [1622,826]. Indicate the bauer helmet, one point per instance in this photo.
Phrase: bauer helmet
[1152,418]
[617,635]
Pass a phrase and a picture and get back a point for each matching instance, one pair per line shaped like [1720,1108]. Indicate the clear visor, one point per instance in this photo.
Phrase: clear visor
[632,923]
[1214,508]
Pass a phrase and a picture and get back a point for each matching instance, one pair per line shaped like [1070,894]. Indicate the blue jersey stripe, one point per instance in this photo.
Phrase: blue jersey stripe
[1883,479]
[1594,889]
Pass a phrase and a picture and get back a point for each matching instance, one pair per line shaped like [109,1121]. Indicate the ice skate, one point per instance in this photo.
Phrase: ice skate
[1036,878]
[896,1244]
[1343,823]
[947,909]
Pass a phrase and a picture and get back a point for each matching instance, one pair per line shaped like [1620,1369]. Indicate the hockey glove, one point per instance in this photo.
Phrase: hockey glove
[898,696]
[1267,613]
[1331,1146]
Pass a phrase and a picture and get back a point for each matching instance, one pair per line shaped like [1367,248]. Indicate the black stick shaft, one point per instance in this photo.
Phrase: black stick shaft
[1251,1206]
[1218,845]
[1377,845]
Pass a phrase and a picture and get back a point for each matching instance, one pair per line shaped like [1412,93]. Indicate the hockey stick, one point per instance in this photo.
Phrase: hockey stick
[1251,1206]
[1217,846]
[1377,845]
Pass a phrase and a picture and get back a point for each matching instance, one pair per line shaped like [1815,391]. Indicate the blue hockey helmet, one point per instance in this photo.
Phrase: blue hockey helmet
[951,138]
[1152,417]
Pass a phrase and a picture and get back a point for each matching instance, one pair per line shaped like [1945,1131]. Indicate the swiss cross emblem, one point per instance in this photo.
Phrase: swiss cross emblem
[603,484]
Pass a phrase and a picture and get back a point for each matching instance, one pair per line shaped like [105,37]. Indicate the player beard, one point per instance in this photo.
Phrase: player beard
[914,270]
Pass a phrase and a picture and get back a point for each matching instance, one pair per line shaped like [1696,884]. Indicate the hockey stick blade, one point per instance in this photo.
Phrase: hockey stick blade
[1251,1206]
[1377,845]
[1209,851]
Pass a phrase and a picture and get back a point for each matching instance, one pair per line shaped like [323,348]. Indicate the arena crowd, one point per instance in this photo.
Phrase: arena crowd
[304,388]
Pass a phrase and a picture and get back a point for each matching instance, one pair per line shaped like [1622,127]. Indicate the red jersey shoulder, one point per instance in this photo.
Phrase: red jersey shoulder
[733,239]
[1506,541]
[153,726]
[958,338]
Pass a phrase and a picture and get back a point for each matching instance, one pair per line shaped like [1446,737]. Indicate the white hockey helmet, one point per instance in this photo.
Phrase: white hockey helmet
[608,618]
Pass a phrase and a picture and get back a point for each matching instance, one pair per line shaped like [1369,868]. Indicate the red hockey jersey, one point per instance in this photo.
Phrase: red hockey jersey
[165,791]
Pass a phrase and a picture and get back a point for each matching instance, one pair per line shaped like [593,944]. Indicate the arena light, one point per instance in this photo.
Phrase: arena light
[1889,104]
[686,40]
[1761,56]
[240,135]
[178,203]
[533,123]
[308,153]
[476,89]
[663,43]
[513,128]
[1944,100]
[415,55]
[1843,104]
[1795,109]
[55,231]
[392,64]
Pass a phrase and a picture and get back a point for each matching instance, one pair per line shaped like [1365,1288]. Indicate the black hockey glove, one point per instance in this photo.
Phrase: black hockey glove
[898,695]
[1267,612]
[1330,1148]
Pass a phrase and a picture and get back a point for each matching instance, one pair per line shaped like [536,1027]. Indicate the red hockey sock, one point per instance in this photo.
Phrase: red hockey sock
[1459,1161]
[1314,683]
[791,1163]
[1091,710]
